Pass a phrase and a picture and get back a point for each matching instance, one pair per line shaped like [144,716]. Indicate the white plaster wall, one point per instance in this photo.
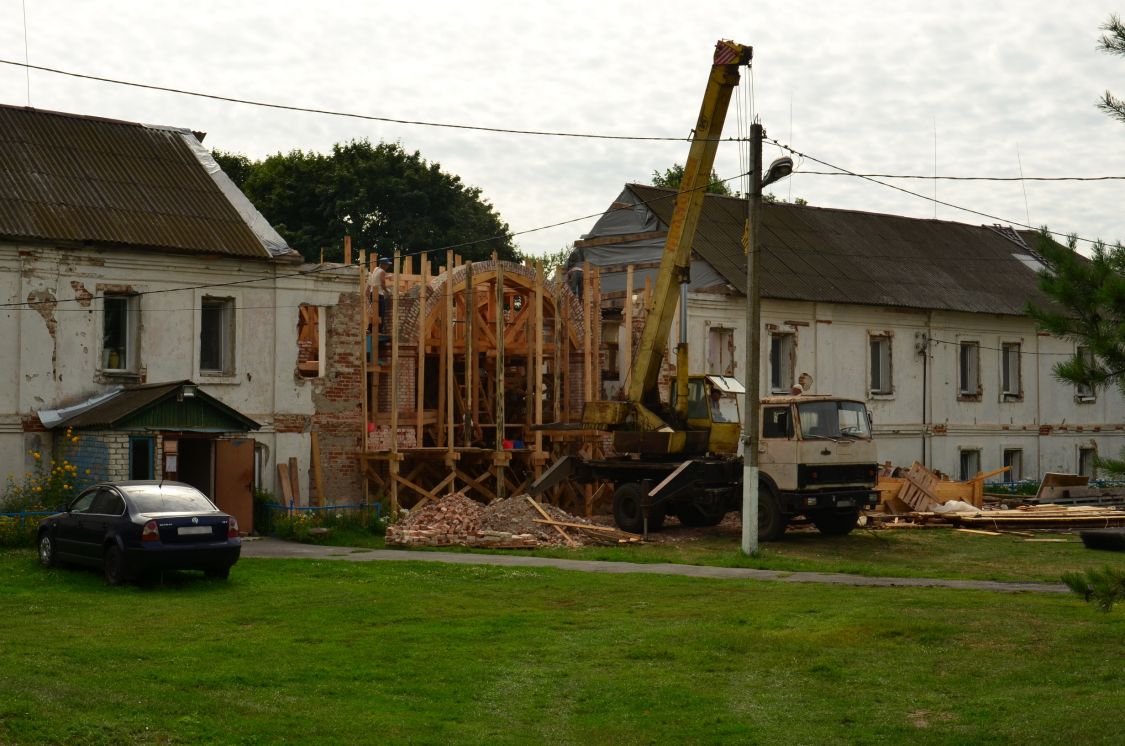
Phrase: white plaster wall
[832,346]
[45,371]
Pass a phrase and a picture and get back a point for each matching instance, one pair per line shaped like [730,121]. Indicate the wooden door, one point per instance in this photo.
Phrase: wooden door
[234,480]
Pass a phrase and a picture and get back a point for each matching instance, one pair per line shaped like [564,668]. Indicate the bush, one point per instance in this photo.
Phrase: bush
[52,484]
[304,525]
[18,531]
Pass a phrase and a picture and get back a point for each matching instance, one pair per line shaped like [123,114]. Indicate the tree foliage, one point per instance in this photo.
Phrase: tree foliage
[1112,41]
[1090,311]
[672,177]
[1103,588]
[384,197]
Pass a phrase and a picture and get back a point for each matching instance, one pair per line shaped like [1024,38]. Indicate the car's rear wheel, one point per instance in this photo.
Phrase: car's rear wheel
[47,556]
[219,573]
[113,563]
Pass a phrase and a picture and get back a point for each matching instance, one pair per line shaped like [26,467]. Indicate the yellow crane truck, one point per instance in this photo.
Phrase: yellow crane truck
[682,458]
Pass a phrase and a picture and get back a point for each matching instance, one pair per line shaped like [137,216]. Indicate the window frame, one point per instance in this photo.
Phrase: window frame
[962,472]
[127,350]
[1090,452]
[787,347]
[1083,393]
[1014,474]
[885,367]
[965,391]
[225,346]
[1011,365]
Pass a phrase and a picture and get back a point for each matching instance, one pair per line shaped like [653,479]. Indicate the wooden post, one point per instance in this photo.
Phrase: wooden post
[556,361]
[347,249]
[587,332]
[420,379]
[317,471]
[393,388]
[539,457]
[500,363]
[469,399]
[450,458]
[294,480]
[627,348]
[596,331]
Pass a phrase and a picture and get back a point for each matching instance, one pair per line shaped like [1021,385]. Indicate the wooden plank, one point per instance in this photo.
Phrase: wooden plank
[562,532]
[500,416]
[283,482]
[420,369]
[978,532]
[393,391]
[448,346]
[317,472]
[626,238]
[294,479]
[538,456]
[470,410]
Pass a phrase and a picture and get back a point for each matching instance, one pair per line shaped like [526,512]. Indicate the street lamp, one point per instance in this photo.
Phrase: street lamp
[779,169]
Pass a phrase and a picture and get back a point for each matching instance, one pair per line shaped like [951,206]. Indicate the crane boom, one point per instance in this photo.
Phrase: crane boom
[641,406]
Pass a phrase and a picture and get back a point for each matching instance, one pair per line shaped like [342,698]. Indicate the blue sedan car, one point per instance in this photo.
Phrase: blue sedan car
[139,528]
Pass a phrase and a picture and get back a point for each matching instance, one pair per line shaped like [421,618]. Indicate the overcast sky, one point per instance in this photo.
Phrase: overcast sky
[861,85]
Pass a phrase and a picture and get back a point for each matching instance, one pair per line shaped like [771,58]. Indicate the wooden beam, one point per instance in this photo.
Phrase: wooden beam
[627,238]
[555,524]
[317,471]
[537,461]
[499,376]
[420,369]
[469,411]
[393,388]
[347,249]
[294,480]
[448,344]
[285,485]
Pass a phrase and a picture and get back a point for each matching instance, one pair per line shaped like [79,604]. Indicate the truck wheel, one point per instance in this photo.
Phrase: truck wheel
[628,510]
[835,524]
[693,517]
[771,521]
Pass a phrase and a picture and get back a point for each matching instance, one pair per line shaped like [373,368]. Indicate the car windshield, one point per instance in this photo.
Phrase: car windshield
[168,499]
[834,419]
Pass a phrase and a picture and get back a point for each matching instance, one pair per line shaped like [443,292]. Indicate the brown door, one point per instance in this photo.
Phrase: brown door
[234,480]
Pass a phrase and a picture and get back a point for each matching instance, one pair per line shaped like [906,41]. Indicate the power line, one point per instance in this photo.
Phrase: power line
[848,172]
[966,178]
[350,115]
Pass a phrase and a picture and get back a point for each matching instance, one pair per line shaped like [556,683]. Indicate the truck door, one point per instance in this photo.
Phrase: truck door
[777,449]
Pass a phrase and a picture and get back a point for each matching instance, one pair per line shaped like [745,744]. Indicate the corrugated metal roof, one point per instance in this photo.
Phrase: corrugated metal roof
[71,178]
[160,406]
[845,256]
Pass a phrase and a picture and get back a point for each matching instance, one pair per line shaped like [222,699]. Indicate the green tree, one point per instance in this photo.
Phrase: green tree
[1090,310]
[672,177]
[384,197]
[1112,41]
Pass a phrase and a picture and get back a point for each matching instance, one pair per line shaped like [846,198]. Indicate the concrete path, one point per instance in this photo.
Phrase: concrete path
[277,549]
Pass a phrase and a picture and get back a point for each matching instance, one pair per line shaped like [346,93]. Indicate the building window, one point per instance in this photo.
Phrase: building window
[141,457]
[1011,386]
[782,352]
[969,362]
[1013,459]
[1085,391]
[216,336]
[1088,462]
[880,361]
[121,314]
[970,464]
[720,351]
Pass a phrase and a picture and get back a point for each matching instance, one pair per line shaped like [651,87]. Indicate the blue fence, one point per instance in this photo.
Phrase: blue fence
[28,515]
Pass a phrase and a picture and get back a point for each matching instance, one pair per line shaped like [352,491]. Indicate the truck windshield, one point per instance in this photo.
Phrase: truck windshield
[834,419]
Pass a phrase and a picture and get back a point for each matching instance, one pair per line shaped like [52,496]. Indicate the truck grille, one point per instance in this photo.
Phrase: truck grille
[824,475]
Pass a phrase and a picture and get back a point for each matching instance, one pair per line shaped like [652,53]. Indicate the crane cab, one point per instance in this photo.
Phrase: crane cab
[714,404]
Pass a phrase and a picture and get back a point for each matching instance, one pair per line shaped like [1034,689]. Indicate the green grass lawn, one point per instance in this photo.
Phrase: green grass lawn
[929,553]
[300,651]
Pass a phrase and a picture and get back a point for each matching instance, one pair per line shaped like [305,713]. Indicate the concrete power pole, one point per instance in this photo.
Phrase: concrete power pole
[753,348]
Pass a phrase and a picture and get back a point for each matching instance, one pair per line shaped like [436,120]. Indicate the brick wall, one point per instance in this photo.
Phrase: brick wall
[338,400]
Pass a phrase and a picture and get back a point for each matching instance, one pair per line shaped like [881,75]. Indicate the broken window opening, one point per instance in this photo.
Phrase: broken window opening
[216,337]
[310,342]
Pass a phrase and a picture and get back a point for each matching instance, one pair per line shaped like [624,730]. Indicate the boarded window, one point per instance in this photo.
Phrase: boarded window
[720,351]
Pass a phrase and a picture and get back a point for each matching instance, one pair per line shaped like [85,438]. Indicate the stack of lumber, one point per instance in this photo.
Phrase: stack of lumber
[1040,517]
[513,523]
[920,489]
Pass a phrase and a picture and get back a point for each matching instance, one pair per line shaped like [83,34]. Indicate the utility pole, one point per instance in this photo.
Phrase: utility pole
[753,347]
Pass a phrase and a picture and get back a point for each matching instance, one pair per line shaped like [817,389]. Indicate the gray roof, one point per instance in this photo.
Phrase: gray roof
[69,178]
[846,256]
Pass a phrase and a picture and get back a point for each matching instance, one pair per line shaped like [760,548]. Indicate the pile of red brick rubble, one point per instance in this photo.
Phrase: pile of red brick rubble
[458,520]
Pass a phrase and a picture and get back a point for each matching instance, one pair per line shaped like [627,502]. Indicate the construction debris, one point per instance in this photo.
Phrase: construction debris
[511,523]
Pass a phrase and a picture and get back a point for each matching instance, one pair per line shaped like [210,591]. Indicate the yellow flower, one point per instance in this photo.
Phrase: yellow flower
[37,455]
[66,486]
[37,488]
[87,472]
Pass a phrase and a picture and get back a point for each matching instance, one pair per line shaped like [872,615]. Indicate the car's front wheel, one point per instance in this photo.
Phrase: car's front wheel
[47,556]
[116,572]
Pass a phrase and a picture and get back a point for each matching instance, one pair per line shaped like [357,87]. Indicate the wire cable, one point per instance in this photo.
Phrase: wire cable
[351,115]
